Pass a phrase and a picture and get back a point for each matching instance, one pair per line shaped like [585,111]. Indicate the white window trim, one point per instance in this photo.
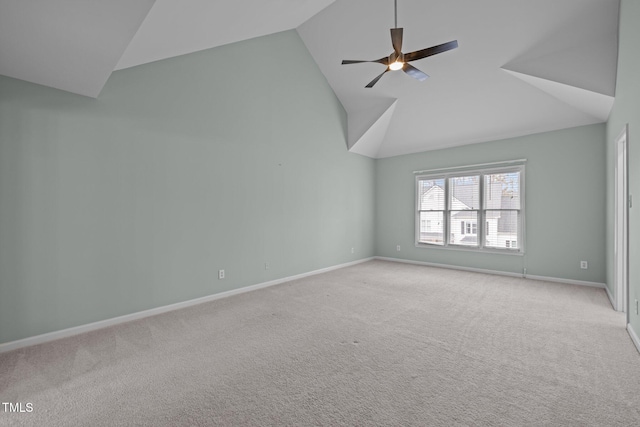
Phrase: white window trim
[481,170]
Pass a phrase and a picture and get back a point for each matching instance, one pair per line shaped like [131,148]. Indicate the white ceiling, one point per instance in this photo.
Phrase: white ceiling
[72,45]
[175,28]
[522,66]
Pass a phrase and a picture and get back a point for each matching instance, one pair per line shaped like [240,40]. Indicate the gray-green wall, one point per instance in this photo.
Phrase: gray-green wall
[222,159]
[565,197]
[626,110]
[183,167]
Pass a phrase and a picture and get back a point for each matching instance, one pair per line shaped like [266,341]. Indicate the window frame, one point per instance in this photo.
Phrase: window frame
[481,232]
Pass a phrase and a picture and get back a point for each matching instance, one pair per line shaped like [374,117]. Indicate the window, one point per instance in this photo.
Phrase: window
[469,227]
[432,211]
[451,204]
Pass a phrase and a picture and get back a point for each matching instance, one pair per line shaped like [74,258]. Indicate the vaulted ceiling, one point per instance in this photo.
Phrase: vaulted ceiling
[522,66]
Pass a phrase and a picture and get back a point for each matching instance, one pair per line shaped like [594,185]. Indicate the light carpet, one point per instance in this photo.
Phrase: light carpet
[379,343]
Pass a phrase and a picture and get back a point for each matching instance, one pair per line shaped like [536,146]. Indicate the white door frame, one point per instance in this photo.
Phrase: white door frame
[622,201]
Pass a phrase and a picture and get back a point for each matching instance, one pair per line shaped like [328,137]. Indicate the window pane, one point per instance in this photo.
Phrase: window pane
[502,229]
[431,194]
[464,228]
[431,228]
[465,192]
[502,190]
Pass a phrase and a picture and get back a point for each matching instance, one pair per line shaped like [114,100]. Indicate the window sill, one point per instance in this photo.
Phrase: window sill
[519,252]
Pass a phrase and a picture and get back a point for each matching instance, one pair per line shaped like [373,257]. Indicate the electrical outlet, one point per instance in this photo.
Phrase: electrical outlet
[636,306]
[353,250]
[266,265]
[220,274]
[398,248]
[584,265]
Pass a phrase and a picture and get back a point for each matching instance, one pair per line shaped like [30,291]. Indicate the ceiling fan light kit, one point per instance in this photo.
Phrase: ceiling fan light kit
[398,60]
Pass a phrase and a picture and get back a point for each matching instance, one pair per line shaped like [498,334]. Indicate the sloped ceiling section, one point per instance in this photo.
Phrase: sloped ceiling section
[522,67]
[561,57]
[592,103]
[72,45]
[75,45]
[179,27]
[367,139]
[576,64]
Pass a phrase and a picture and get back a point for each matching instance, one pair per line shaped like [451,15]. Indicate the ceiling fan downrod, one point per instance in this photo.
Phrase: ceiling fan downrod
[395,9]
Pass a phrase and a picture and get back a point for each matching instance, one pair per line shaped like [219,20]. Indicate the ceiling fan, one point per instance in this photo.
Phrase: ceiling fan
[398,60]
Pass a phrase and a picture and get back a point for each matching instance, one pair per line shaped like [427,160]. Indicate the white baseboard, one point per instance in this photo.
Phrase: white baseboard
[568,281]
[451,267]
[51,336]
[496,272]
[611,300]
[634,336]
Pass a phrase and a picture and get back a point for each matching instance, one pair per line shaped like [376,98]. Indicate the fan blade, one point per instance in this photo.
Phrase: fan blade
[414,72]
[383,61]
[396,40]
[374,81]
[434,50]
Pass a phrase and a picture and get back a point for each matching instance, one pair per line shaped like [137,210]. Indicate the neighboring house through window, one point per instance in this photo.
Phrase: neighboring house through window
[451,204]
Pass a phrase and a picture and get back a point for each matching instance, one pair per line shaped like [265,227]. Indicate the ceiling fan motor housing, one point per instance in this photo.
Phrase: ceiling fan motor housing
[396,57]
